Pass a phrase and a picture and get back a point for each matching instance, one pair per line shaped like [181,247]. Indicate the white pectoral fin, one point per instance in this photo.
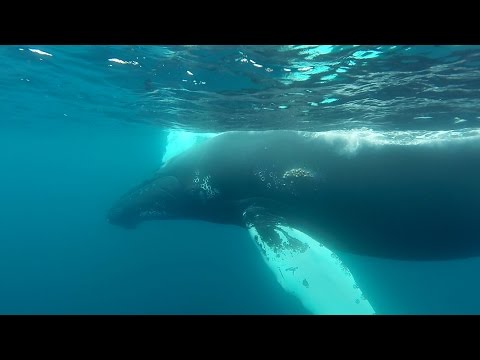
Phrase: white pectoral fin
[308,270]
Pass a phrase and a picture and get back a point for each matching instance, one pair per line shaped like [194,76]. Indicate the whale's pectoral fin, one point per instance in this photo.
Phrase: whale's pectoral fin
[304,267]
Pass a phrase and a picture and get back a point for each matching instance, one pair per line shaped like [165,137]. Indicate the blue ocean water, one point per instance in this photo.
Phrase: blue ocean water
[82,124]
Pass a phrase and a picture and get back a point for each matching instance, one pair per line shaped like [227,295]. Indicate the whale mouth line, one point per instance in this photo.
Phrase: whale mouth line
[152,214]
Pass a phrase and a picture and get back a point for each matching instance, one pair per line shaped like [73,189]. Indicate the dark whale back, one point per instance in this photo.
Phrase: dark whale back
[414,201]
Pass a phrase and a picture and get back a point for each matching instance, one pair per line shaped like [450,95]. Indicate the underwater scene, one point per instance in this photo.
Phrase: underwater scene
[239,179]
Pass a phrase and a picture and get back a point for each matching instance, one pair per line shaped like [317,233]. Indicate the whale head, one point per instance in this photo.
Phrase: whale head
[160,198]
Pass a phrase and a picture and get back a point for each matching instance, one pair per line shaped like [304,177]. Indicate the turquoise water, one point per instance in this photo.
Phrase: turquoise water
[82,124]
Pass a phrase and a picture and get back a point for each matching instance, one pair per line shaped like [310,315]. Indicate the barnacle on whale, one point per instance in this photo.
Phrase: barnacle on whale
[297,173]
[204,187]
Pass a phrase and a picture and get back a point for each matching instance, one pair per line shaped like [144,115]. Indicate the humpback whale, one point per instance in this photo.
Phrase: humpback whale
[304,197]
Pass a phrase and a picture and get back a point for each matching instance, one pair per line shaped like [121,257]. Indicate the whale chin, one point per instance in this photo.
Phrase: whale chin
[122,222]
